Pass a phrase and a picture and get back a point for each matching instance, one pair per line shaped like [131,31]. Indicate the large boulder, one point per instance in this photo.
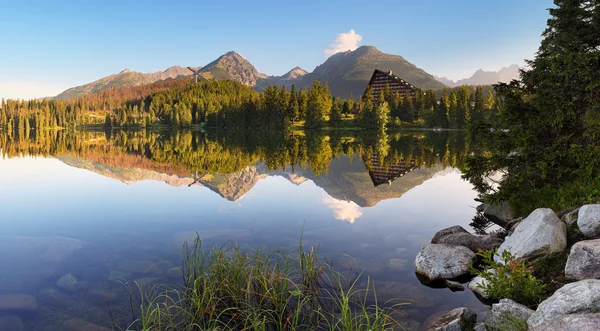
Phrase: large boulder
[500,214]
[575,298]
[458,319]
[584,260]
[507,312]
[573,322]
[588,220]
[539,235]
[438,261]
[458,236]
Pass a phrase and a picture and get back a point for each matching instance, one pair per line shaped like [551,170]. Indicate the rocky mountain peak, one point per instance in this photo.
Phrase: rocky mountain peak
[125,71]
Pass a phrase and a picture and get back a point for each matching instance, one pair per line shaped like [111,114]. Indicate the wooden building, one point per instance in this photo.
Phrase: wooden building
[381,79]
[381,174]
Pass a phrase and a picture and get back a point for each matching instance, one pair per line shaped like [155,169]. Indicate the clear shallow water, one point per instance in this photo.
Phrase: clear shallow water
[74,213]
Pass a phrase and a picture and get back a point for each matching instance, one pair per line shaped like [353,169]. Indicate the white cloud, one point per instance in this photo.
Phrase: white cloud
[343,210]
[344,42]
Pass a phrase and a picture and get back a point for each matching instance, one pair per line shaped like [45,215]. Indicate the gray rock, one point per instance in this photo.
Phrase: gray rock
[572,322]
[458,319]
[454,286]
[68,282]
[480,327]
[574,298]
[437,261]
[500,214]
[506,313]
[475,286]
[539,235]
[588,220]
[584,260]
[457,235]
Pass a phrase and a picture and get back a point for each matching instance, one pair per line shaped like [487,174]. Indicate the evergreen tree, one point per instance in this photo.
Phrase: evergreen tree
[382,116]
[335,118]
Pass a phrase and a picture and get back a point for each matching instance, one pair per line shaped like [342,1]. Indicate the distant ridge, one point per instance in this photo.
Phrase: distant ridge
[481,77]
[123,79]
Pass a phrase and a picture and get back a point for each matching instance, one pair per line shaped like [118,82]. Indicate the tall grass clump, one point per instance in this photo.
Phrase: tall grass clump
[225,288]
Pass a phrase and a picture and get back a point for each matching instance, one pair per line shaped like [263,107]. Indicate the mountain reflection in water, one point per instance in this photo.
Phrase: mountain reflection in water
[352,194]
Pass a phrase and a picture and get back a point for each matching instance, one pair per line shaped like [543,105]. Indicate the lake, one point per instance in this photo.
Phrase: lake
[83,213]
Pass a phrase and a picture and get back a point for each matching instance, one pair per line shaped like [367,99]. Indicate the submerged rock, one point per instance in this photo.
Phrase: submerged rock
[458,236]
[588,220]
[34,259]
[584,260]
[11,323]
[572,322]
[78,324]
[397,264]
[574,298]
[175,272]
[454,286]
[539,235]
[55,297]
[437,261]
[398,293]
[68,282]
[458,319]
[17,303]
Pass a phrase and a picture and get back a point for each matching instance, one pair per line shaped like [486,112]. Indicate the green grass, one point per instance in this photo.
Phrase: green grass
[227,289]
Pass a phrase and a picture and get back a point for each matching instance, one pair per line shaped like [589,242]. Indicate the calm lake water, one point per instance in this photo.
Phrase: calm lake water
[113,207]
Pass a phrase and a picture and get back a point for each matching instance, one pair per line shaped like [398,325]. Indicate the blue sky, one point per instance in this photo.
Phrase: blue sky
[48,46]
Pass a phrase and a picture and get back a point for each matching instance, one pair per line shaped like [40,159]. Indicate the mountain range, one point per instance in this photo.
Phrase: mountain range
[347,179]
[481,77]
[346,72]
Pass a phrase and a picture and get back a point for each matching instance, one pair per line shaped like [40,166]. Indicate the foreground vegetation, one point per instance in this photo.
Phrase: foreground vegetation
[227,289]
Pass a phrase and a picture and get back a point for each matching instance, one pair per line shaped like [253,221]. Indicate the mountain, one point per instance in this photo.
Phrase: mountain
[122,79]
[232,66]
[294,74]
[446,81]
[351,71]
[481,77]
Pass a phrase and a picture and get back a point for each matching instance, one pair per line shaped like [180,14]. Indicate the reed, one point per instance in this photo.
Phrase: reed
[225,288]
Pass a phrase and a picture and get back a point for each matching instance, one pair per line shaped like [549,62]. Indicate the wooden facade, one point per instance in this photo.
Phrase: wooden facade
[381,79]
[381,174]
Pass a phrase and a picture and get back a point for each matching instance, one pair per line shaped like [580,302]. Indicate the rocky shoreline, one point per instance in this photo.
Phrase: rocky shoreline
[539,237]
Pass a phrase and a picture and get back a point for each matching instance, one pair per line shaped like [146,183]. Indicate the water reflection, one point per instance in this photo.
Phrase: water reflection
[377,199]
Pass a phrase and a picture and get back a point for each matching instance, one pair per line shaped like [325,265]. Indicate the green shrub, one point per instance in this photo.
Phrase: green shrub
[510,278]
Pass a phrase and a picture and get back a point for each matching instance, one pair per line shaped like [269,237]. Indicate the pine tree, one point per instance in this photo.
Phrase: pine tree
[335,118]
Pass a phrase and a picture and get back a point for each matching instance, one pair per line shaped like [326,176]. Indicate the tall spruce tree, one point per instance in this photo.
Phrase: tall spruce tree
[549,150]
